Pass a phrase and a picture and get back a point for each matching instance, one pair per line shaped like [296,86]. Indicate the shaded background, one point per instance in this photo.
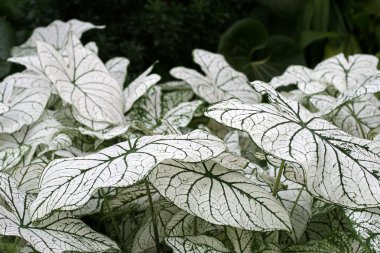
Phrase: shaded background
[260,38]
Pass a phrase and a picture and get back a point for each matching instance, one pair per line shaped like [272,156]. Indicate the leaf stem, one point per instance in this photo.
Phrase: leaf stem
[114,224]
[295,202]
[155,231]
[195,226]
[278,179]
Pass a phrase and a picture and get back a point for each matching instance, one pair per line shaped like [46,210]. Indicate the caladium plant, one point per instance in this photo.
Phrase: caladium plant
[89,163]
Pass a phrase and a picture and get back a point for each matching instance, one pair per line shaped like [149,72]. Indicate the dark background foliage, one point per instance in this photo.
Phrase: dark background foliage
[260,38]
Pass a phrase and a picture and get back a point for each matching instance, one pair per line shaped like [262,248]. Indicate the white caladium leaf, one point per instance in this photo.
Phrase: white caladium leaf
[329,156]
[92,47]
[91,124]
[301,76]
[28,176]
[118,69]
[10,157]
[23,107]
[144,239]
[174,98]
[356,118]
[58,233]
[346,74]
[367,224]
[221,81]
[32,63]
[84,82]
[175,85]
[179,116]
[182,223]
[74,180]
[195,244]
[369,86]
[298,203]
[28,80]
[241,240]
[105,134]
[55,34]
[232,141]
[138,87]
[217,195]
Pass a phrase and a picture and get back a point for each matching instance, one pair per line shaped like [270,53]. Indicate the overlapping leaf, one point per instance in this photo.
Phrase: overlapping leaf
[195,244]
[20,107]
[221,80]
[340,168]
[84,82]
[69,183]
[212,192]
[118,69]
[59,233]
[56,34]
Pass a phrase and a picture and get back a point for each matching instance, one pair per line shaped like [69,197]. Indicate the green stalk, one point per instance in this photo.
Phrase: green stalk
[109,209]
[155,231]
[195,225]
[278,179]
[295,203]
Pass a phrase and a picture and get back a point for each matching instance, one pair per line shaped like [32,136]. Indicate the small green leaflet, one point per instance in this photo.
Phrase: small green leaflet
[195,244]
[139,87]
[346,74]
[340,168]
[242,240]
[20,107]
[84,82]
[210,191]
[221,80]
[68,184]
[56,34]
[58,233]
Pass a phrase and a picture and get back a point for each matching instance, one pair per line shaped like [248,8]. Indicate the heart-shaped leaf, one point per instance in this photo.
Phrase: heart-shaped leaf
[74,180]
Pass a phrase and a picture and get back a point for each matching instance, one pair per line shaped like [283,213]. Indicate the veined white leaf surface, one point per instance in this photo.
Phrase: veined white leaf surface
[174,98]
[20,107]
[211,192]
[182,224]
[220,82]
[340,168]
[232,141]
[105,134]
[301,76]
[144,239]
[58,233]
[68,184]
[56,34]
[346,74]
[84,82]
[242,240]
[28,80]
[367,225]
[195,244]
[118,69]
[10,157]
[139,87]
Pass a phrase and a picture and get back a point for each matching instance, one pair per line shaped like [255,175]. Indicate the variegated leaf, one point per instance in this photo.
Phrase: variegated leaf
[174,98]
[367,225]
[10,157]
[220,82]
[195,244]
[139,87]
[118,69]
[144,239]
[219,195]
[340,168]
[58,233]
[20,107]
[56,34]
[105,134]
[84,82]
[74,180]
[301,76]
[346,74]
[242,240]
[182,223]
